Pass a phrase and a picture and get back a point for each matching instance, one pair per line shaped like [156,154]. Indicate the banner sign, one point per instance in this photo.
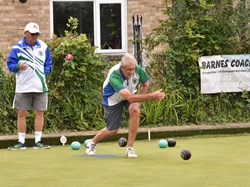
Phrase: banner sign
[224,73]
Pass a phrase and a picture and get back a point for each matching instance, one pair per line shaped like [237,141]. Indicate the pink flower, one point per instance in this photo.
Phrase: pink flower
[69,57]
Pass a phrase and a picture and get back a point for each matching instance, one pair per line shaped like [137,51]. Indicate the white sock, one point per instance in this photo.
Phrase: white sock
[21,137]
[38,136]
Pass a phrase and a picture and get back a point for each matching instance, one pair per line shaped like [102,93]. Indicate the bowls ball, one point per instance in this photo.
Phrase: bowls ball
[185,154]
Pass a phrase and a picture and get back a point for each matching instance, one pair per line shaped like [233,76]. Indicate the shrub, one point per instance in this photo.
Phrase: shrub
[194,29]
[75,85]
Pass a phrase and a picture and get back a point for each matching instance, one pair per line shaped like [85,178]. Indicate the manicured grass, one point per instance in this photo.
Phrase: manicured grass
[216,161]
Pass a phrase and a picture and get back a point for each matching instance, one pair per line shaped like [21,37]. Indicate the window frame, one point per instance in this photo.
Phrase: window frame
[97,21]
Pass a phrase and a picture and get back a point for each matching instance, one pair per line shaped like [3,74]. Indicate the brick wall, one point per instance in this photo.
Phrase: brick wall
[15,15]
[150,10]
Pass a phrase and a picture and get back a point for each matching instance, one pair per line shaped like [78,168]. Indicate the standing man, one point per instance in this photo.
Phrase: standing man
[30,59]
[119,89]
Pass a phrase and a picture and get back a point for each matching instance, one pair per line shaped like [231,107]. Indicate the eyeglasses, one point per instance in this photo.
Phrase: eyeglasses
[129,69]
[35,34]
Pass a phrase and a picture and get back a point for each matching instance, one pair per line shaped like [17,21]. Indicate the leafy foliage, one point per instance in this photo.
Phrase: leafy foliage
[7,114]
[75,85]
[194,29]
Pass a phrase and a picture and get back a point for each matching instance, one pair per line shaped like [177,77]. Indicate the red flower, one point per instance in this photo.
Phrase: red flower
[69,57]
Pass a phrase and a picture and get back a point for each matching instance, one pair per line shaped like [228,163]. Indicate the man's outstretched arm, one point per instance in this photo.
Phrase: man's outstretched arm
[157,95]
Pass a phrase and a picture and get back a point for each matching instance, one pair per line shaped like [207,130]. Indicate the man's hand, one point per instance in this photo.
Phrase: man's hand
[134,106]
[23,66]
[158,95]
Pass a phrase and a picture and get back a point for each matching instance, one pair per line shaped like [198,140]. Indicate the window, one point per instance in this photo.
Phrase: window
[103,21]
[110,24]
[83,11]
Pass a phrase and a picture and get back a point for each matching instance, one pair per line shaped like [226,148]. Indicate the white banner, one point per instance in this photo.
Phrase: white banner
[224,73]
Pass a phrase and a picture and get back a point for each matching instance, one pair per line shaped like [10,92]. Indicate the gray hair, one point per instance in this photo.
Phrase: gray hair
[128,59]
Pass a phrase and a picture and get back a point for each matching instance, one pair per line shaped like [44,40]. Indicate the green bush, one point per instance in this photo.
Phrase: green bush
[75,85]
[7,114]
[194,29]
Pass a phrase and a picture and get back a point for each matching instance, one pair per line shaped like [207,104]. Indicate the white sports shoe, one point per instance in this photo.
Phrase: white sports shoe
[131,153]
[91,149]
